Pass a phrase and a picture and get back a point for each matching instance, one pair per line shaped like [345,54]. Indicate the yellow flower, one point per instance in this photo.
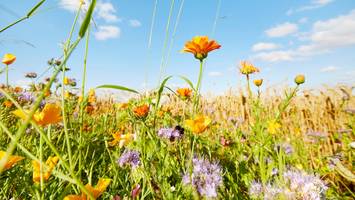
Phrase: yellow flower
[67,95]
[8,59]
[121,139]
[273,126]
[247,68]
[11,161]
[200,46]
[51,114]
[198,124]
[50,163]
[96,191]
[66,81]
[122,106]
[258,82]
[141,111]
[184,92]
[92,96]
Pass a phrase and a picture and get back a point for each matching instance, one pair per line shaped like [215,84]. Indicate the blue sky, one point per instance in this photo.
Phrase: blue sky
[283,38]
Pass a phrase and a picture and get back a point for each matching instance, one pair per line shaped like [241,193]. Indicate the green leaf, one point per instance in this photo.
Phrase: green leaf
[87,19]
[160,91]
[188,82]
[117,87]
[30,13]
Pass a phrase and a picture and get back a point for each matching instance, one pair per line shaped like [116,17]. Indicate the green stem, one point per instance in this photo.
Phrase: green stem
[7,75]
[198,86]
[14,23]
[65,126]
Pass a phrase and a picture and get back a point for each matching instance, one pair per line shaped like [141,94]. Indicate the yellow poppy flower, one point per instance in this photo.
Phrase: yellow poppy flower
[121,139]
[11,161]
[273,126]
[198,124]
[66,81]
[96,191]
[50,163]
[51,114]
[8,59]
[247,68]
[92,96]
[200,46]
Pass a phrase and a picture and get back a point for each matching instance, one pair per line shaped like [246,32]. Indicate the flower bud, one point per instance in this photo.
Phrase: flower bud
[258,82]
[299,79]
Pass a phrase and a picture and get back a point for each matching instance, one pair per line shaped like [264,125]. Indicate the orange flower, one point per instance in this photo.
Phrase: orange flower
[8,59]
[198,124]
[18,89]
[200,46]
[11,161]
[247,68]
[96,191]
[141,111]
[7,104]
[47,93]
[50,163]
[51,114]
[184,92]
[121,139]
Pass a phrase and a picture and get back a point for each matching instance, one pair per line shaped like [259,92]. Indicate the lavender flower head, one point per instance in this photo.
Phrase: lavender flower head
[256,189]
[206,177]
[286,147]
[129,157]
[171,133]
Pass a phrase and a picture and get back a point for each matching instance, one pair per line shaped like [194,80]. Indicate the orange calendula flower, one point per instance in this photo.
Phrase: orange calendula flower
[8,59]
[50,163]
[51,114]
[11,161]
[247,68]
[198,124]
[96,191]
[121,139]
[184,92]
[141,111]
[200,46]
[7,104]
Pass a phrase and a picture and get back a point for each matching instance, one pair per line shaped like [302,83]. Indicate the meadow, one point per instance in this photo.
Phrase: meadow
[250,143]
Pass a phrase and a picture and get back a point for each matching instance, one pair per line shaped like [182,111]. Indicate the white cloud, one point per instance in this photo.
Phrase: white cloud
[215,74]
[303,20]
[274,56]
[282,30]
[329,69]
[103,10]
[261,46]
[314,4]
[324,37]
[106,11]
[107,32]
[135,23]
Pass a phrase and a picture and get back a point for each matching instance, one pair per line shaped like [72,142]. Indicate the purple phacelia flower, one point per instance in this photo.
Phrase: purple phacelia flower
[129,157]
[206,177]
[26,97]
[171,133]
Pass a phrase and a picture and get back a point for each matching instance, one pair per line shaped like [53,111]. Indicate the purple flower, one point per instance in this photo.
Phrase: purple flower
[171,133]
[317,134]
[256,189]
[129,157]
[287,148]
[26,97]
[206,177]
[305,185]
